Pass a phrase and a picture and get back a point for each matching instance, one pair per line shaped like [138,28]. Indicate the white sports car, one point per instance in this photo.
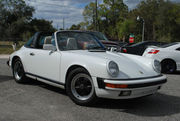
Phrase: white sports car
[168,55]
[78,62]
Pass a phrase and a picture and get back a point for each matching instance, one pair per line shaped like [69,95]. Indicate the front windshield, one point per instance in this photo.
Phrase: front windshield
[77,41]
[100,36]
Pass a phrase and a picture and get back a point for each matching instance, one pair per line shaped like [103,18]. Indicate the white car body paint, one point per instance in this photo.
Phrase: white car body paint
[45,64]
[165,53]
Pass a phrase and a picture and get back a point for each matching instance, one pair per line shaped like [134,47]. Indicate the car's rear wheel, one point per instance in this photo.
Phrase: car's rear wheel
[168,66]
[80,87]
[18,71]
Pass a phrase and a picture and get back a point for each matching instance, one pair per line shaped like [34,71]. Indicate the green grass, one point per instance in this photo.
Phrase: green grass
[6,50]
[6,47]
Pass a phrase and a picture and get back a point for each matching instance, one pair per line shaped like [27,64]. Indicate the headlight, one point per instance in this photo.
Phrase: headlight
[157,66]
[113,69]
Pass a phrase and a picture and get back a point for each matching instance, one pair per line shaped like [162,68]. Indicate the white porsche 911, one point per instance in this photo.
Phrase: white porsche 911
[78,62]
[168,55]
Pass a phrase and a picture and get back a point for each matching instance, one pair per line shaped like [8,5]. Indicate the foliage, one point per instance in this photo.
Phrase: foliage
[161,17]
[75,27]
[125,28]
[109,14]
[89,14]
[17,22]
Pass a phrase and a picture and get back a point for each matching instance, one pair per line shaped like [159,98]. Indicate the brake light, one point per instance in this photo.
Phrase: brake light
[124,50]
[153,51]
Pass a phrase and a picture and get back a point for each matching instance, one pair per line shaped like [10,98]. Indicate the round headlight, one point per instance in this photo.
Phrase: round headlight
[157,66]
[113,68]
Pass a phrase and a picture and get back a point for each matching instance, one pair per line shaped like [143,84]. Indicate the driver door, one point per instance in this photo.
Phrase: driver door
[43,63]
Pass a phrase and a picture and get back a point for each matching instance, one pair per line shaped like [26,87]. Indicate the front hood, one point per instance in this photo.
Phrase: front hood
[130,66]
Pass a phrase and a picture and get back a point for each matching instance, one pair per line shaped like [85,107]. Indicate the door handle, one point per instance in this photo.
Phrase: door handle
[32,54]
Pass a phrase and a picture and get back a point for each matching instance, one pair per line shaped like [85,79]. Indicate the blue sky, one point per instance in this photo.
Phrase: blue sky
[71,10]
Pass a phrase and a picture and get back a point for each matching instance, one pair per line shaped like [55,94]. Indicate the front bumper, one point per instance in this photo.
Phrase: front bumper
[134,88]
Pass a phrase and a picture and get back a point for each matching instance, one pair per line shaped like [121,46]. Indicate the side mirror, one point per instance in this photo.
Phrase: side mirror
[53,49]
[113,49]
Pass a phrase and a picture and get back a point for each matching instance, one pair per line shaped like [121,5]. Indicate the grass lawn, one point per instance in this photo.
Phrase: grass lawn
[6,47]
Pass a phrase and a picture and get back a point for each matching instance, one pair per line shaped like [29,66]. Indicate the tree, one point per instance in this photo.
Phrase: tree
[125,28]
[89,14]
[161,19]
[17,22]
[40,25]
[167,21]
[13,15]
[109,14]
[75,27]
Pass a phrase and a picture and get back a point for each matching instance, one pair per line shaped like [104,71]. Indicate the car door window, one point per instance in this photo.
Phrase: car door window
[45,42]
[40,41]
[30,43]
[62,37]
[53,40]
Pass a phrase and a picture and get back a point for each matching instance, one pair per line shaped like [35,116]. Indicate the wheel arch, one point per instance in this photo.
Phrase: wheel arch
[72,67]
[13,60]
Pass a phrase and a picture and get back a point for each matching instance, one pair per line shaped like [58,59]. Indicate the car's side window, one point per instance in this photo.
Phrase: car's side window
[40,42]
[62,40]
[30,43]
[49,43]
[53,40]
[45,42]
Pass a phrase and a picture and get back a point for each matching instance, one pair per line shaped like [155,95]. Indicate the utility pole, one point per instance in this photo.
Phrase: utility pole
[113,12]
[143,29]
[63,24]
[57,26]
[96,17]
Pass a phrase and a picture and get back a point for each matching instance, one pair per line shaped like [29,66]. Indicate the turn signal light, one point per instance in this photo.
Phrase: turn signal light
[116,85]
[153,51]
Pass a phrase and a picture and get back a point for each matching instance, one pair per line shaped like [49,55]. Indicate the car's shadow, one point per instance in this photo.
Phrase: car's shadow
[175,73]
[156,105]
[4,78]
[33,82]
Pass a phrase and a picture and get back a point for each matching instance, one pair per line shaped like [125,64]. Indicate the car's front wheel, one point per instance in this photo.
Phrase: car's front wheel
[18,71]
[80,87]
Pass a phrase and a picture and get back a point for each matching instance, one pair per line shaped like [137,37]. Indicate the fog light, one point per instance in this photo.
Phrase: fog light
[125,93]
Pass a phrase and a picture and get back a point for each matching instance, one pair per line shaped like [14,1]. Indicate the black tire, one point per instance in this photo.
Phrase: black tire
[168,66]
[18,71]
[78,86]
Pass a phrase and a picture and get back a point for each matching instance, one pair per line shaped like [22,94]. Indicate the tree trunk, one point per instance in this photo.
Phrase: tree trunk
[154,33]
[124,38]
